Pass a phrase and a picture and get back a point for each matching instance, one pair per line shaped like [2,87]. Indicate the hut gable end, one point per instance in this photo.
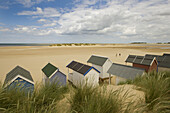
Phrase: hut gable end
[18,71]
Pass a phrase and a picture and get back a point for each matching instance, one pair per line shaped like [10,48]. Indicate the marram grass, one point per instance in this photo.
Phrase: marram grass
[41,100]
[88,99]
[156,87]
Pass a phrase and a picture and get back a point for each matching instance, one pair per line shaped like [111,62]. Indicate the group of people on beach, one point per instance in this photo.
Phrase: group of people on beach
[118,54]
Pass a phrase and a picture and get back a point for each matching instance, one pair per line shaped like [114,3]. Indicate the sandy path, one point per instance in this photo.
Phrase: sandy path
[35,58]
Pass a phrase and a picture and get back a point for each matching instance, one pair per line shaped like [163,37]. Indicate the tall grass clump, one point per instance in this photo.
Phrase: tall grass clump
[11,97]
[41,100]
[156,87]
[48,94]
[90,99]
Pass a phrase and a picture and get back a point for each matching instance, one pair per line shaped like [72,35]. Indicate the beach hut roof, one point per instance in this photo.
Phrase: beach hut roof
[130,58]
[125,71]
[159,58]
[140,60]
[165,62]
[97,60]
[18,71]
[49,69]
[80,68]
[166,54]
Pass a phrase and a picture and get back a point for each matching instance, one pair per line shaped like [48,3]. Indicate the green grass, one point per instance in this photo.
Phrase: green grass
[42,100]
[88,99]
[156,87]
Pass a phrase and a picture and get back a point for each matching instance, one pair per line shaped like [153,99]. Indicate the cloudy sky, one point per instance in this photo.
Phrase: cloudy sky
[80,21]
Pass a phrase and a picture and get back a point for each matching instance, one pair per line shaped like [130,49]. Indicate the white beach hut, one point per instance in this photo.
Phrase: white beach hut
[102,64]
[82,74]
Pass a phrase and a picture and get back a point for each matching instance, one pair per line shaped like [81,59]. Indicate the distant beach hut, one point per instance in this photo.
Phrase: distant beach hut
[53,74]
[102,64]
[19,77]
[149,64]
[163,61]
[82,74]
[159,58]
[166,54]
[164,65]
[119,73]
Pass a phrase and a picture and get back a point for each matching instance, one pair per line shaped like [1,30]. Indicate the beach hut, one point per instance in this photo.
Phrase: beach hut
[163,61]
[159,58]
[102,64]
[119,73]
[166,54]
[149,64]
[53,74]
[19,77]
[164,65]
[82,74]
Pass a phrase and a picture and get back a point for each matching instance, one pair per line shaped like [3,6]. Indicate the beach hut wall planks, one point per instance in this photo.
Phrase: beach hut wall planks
[147,63]
[82,74]
[119,73]
[53,74]
[102,64]
[19,77]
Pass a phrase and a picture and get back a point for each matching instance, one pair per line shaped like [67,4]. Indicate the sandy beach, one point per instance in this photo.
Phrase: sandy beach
[34,58]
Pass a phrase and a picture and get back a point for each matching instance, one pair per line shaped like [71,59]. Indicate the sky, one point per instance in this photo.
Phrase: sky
[84,21]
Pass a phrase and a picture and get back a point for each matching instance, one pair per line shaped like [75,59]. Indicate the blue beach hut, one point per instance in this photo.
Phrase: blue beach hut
[19,77]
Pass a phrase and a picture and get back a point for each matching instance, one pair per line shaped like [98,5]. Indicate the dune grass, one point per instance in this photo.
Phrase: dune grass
[156,87]
[42,100]
[88,99]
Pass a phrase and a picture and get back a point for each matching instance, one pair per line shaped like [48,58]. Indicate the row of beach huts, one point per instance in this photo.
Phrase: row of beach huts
[101,70]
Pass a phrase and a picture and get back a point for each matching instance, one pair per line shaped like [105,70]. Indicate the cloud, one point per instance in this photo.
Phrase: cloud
[29,3]
[46,12]
[4,29]
[42,20]
[123,19]
[32,30]
[126,18]
[4,7]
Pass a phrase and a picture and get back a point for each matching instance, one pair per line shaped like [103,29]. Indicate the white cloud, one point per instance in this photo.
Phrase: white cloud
[32,30]
[29,3]
[120,18]
[46,12]
[4,29]
[42,20]
[123,19]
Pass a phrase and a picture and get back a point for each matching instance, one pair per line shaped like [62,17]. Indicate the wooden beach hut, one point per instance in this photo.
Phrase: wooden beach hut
[82,74]
[19,77]
[159,58]
[119,73]
[149,64]
[164,65]
[163,61]
[53,74]
[102,64]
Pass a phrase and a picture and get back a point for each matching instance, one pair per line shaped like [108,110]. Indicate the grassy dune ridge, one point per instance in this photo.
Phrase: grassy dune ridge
[52,98]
